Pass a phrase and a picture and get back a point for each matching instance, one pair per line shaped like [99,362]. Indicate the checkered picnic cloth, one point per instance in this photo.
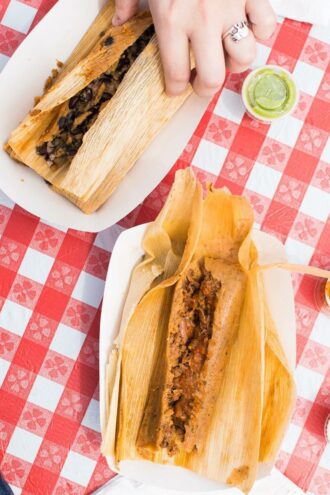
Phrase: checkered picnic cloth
[51,280]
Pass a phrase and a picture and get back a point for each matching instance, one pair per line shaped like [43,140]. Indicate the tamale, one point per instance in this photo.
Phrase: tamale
[99,114]
[202,327]
[203,381]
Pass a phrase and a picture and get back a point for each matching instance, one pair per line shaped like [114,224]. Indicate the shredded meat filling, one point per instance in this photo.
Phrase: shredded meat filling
[85,106]
[191,337]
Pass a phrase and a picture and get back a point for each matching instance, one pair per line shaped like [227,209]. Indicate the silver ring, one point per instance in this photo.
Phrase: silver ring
[238,31]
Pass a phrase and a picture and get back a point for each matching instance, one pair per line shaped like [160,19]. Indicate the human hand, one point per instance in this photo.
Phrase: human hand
[204,24]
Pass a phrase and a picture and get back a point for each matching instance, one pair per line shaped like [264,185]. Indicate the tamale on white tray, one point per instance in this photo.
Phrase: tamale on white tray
[126,255]
[55,38]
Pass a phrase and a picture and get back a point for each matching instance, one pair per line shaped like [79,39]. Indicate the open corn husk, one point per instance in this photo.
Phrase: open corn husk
[118,133]
[249,391]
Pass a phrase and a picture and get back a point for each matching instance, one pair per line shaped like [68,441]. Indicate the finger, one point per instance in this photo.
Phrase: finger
[262,18]
[174,52]
[234,67]
[125,9]
[210,62]
[240,53]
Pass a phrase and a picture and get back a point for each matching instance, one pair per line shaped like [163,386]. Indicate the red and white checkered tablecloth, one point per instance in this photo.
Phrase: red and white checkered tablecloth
[51,280]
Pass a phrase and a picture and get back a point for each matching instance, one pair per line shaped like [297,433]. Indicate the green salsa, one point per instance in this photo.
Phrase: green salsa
[269,92]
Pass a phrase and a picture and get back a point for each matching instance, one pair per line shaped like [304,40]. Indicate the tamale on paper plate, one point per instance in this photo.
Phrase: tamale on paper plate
[197,376]
[99,112]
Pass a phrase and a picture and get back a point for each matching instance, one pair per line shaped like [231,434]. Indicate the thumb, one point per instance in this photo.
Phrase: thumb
[125,9]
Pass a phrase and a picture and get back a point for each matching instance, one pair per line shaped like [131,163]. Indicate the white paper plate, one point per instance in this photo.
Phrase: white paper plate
[126,254]
[22,79]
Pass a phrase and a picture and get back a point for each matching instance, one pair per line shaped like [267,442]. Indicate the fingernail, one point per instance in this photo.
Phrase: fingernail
[116,20]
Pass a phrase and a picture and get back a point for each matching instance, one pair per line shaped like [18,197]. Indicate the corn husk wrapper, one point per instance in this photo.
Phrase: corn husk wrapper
[278,402]
[165,240]
[168,243]
[256,391]
[124,127]
[231,450]
[96,33]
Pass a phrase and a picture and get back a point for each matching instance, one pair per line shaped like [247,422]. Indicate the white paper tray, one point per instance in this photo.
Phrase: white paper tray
[54,38]
[126,254]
